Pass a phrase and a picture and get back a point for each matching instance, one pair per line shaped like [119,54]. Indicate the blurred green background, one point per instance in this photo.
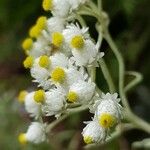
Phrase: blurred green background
[130,27]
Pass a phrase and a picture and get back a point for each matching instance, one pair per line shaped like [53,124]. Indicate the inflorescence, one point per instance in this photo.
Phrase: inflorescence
[59,54]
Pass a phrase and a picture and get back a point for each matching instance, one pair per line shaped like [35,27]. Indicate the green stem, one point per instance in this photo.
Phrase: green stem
[107,75]
[121,68]
[66,115]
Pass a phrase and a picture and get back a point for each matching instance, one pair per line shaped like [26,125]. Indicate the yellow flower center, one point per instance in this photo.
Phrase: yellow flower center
[47,5]
[58,75]
[35,31]
[41,22]
[77,42]
[44,61]
[39,96]
[21,96]
[72,96]
[106,120]
[88,139]
[28,62]
[27,44]
[57,39]
[22,138]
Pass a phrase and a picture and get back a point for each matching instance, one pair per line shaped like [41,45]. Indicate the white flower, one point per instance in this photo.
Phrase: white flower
[36,133]
[66,77]
[40,47]
[81,91]
[55,24]
[54,102]
[108,110]
[59,60]
[59,8]
[33,108]
[41,74]
[43,66]
[76,3]
[72,31]
[93,133]
[87,55]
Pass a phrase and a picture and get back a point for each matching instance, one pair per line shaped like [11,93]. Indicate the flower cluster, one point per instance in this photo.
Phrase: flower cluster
[59,55]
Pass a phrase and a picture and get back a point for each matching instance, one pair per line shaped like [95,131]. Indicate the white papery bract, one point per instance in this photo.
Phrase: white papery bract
[84,91]
[40,47]
[59,60]
[88,55]
[36,133]
[55,24]
[54,102]
[60,8]
[33,108]
[93,132]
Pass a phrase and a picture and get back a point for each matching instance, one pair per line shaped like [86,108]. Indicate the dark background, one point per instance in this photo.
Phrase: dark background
[130,28]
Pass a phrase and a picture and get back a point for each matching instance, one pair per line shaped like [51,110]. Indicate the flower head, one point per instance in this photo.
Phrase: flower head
[35,134]
[93,133]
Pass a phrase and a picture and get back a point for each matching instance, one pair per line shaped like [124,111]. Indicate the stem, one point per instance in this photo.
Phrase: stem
[63,117]
[121,68]
[138,78]
[107,75]
[99,3]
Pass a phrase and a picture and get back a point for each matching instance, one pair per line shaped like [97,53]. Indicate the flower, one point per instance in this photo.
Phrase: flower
[27,44]
[87,55]
[59,8]
[44,65]
[108,110]
[31,106]
[81,91]
[39,47]
[54,102]
[93,133]
[66,77]
[28,62]
[22,95]
[55,24]
[74,35]
[84,51]
[35,134]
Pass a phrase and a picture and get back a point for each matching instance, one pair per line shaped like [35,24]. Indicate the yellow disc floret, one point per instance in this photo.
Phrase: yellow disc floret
[22,138]
[106,120]
[22,95]
[72,96]
[39,96]
[57,39]
[27,44]
[35,31]
[41,22]
[47,5]
[28,62]
[58,75]
[77,42]
[44,61]
[88,139]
